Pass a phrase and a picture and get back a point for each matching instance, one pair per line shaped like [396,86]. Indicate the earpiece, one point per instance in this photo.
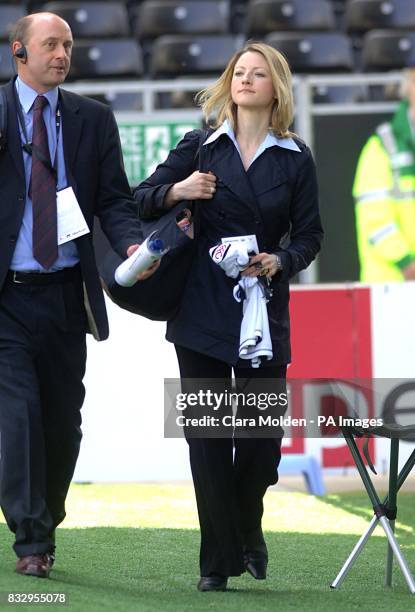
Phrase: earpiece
[21,53]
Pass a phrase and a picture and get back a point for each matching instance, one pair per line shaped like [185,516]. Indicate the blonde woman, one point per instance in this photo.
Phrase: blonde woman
[252,177]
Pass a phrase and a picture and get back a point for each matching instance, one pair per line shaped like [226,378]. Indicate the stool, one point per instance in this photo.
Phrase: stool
[384,512]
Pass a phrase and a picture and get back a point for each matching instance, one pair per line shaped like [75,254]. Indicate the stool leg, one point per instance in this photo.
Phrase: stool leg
[354,554]
[398,554]
[389,559]
[391,506]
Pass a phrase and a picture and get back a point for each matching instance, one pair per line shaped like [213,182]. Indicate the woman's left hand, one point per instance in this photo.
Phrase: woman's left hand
[150,271]
[263,264]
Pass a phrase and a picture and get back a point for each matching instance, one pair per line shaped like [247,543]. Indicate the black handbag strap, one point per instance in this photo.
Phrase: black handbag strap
[197,165]
[204,133]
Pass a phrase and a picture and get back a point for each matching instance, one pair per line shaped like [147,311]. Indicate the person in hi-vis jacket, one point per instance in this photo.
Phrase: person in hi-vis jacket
[384,192]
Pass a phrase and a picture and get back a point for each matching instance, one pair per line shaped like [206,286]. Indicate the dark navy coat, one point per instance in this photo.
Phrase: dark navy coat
[276,196]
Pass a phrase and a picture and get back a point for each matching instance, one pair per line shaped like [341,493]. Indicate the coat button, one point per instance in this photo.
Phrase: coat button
[12,239]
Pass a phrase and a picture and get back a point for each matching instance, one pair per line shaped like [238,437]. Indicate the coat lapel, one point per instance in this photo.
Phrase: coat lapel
[14,142]
[72,128]
[224,161]
[266,172]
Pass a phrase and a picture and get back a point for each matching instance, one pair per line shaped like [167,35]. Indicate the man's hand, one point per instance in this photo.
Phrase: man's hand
[197,186]
[150,271]
[263,264]
[409,271]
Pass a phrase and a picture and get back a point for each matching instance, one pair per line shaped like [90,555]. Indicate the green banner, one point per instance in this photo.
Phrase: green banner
[144,145]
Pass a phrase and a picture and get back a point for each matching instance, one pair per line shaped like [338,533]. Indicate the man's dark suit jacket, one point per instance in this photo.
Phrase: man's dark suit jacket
[94,169]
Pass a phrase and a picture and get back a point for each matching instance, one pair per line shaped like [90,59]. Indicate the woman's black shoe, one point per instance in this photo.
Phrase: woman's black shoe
[212,583]
[255,554]
[256,564]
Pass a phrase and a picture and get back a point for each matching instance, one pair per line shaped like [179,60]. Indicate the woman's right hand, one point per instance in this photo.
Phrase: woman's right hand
[197,186]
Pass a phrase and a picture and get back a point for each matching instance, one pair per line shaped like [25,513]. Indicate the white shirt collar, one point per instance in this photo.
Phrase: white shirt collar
[269,141]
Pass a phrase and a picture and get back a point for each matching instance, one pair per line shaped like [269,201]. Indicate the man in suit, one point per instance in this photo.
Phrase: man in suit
[50,293]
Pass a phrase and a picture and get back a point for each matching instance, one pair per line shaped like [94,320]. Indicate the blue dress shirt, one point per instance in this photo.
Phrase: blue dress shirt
[23,259]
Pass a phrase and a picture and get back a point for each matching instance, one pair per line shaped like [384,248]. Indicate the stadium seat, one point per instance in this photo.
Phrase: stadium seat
[89,19]
[314,52]
[125,101]
[388,50]
[9,14]
[306,465]
[106,58]
[339,94]
[160,17]
[6,63]
[274,15]
[178,55]
[176,99]
[120,101]
[385,92]
[362,15]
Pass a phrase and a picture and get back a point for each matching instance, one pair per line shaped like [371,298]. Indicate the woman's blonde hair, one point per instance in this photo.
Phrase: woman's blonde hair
[216,98]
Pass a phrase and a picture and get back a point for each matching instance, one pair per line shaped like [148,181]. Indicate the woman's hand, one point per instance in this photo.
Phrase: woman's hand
[197,186]
[263,264]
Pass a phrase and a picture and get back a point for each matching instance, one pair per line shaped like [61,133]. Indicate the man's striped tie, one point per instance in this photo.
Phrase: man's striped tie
[43,191]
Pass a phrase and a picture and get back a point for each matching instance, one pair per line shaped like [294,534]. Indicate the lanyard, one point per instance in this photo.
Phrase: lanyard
[28,146]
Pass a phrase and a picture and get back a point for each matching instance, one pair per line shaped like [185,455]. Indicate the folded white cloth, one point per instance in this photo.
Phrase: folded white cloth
[255,339]
[230,257]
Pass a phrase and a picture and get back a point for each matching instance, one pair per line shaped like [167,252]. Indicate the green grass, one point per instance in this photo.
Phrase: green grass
[135,547]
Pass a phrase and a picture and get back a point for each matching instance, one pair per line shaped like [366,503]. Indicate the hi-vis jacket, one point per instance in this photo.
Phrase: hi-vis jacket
[384,192]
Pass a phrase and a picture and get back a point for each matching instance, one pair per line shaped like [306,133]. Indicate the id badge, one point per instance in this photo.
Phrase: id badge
[71,221]
[249,242]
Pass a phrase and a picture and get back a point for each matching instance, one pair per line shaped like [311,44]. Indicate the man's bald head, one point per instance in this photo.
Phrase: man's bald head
[20,31]
[47,39]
